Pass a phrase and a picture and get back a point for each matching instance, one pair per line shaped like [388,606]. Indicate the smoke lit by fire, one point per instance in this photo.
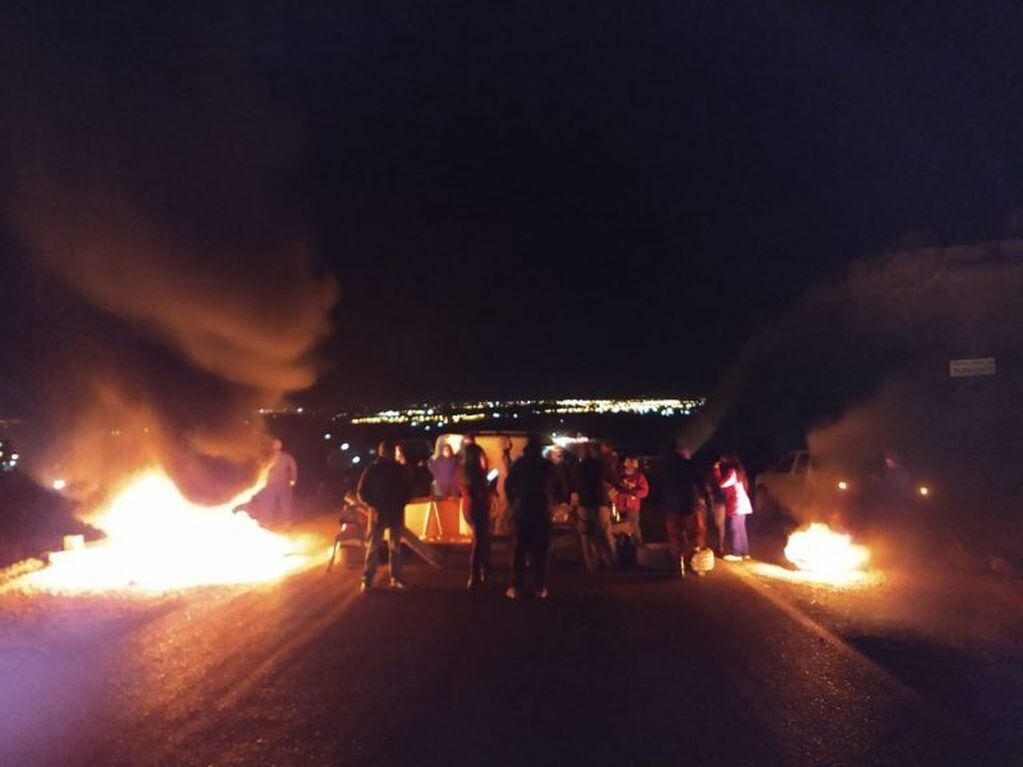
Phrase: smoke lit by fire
[174,293]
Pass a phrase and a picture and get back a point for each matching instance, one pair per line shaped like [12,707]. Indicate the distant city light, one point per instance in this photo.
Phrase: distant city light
[327,435]
[345,446]
[59,484]
[454,413]
[356,459]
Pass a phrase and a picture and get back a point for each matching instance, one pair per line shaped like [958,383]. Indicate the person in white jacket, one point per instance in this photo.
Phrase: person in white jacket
[731,477]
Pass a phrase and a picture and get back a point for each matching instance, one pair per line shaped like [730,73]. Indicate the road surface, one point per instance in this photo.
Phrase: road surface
[618,669]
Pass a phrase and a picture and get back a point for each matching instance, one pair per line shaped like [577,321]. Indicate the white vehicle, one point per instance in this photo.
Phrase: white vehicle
[802,485]
[784,487]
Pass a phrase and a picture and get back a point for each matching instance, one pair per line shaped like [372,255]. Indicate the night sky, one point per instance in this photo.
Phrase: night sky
[530,199]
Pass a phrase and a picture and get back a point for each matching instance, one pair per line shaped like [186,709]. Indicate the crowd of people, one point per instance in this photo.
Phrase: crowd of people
[605,495]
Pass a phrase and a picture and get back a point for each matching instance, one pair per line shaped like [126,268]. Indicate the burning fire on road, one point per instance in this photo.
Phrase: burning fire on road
[819,549]
[822,556]
[157,541]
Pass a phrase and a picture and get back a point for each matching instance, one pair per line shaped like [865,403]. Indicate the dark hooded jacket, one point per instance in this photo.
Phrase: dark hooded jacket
[682,487]
[387,487]
[529,488]
[588,482]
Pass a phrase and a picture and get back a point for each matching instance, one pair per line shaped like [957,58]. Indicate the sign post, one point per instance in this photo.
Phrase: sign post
[968,368]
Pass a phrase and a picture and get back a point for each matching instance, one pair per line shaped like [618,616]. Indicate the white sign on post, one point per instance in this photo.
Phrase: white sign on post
[980,366]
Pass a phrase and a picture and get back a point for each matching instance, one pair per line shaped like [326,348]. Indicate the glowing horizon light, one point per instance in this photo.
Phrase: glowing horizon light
[158,541]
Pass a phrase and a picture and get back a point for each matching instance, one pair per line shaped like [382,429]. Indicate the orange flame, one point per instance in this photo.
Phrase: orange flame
[157,540]
[831,555]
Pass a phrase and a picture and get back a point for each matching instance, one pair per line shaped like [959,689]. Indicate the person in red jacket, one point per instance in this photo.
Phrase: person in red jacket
[632,488]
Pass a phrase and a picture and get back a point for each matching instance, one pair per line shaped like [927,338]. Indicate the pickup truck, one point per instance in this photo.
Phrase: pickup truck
[803,486]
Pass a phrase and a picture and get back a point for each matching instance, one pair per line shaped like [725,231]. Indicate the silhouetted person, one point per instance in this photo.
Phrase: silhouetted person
[444,469]
[529,492]
[561,479]
[385,488]
[612,466]
[684,502]
[274,500]
[718,509]
[593,516]
[504,464]
[470,439]
[475,488]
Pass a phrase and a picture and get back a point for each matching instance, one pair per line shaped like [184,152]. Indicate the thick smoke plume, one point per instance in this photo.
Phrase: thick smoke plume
[860,367]
[175,289]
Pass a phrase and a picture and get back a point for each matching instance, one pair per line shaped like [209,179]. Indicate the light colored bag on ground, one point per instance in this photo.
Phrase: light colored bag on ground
[702,561]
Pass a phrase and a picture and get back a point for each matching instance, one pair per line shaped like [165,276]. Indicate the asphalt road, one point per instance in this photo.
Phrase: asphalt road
[618,669]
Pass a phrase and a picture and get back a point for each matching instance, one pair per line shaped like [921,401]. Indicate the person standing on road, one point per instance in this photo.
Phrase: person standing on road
[529,492]
[475,488]
[593,515]
[385,487]
[612,466]
[731,477]
[504,464]
[684,503]
[470,439]
[561,481]
[274,500]
[718,509]
[444,469]
[631,490]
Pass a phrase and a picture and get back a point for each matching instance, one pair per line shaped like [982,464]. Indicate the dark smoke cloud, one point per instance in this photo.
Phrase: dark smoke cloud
[152,189]
[860,364]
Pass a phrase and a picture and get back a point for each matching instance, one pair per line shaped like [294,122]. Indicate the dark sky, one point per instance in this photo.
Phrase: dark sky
[579,198]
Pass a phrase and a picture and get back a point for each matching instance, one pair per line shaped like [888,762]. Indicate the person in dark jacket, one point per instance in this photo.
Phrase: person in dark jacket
[684,502]
[385,487]
[718,508]
[472,479]
[561,481]
[593,515]
[529,492]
